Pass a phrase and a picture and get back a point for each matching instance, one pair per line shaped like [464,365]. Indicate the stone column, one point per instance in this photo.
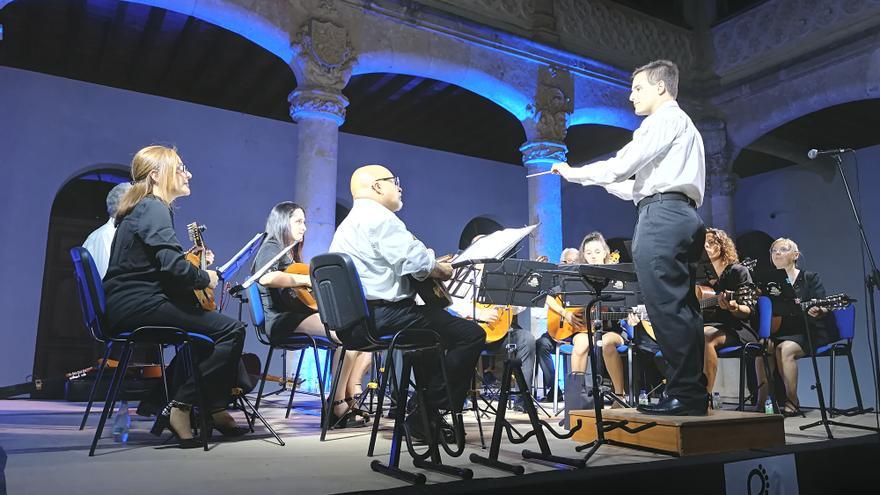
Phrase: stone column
[318,113]
[545,131]
[322,65]
[717,210]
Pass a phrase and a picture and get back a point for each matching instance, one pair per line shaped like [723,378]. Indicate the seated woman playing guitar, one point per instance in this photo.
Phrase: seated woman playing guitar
[147,273]
[287,313]
[789,341]
[730,322]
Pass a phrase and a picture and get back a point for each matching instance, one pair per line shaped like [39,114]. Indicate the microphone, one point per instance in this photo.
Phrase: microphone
[814,153]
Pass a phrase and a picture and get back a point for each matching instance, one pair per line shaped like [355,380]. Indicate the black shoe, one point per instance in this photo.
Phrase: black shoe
[671,406]
[415,430]
[163,421]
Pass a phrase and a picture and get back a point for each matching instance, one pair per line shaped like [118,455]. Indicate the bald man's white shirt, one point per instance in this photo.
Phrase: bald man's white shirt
[383,251]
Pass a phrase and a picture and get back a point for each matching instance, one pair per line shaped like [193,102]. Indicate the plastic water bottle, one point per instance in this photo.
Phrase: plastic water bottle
[716,401]
[643,398]
[768,406]
[121,423]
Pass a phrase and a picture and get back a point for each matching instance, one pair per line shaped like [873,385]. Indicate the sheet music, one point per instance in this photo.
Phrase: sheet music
[240,256]
[494,245]
[263,269]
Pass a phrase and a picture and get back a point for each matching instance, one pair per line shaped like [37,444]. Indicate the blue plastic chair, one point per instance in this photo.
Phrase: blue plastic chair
[753,349]
[846,325]
[293,342]
[93,304]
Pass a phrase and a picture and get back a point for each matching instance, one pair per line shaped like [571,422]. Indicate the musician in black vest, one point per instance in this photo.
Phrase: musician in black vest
[730,320]
[789,342]
[666,157]
[147,278]
[285,314]
[384,253]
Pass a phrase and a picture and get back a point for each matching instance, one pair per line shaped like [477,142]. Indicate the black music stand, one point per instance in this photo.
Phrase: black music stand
[598,277]
[516,282]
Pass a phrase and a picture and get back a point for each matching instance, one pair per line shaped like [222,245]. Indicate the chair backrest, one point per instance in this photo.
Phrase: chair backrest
[765,316]
[258,315]
[339,293]
[90,291]
[846,321]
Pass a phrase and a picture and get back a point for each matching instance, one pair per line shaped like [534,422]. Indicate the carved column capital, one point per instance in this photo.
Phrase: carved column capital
[543,153]
[553,105]
[323,54]
[322,103]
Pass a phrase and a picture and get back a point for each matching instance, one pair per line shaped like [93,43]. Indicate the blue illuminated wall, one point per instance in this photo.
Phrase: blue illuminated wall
[54,129]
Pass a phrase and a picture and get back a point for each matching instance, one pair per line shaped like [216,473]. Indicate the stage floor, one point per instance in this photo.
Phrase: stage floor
[48,454]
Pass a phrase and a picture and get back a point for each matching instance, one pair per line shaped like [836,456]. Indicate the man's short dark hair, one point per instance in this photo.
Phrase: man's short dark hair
[661,70]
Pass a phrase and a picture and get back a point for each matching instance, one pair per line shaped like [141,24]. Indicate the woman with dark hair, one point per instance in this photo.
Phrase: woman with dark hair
[146,275]
[286,314]
[731,320]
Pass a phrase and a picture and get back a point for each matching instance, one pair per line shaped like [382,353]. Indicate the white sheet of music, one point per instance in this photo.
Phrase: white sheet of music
[494,245]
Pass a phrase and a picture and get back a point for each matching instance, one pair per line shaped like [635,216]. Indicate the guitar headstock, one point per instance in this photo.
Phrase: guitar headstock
[195,234]
[831,303]
[747,294]
[749,263]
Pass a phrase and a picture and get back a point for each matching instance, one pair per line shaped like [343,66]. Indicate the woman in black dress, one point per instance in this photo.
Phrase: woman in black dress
[149,282]
[790,340]
[286,314]
[730,321]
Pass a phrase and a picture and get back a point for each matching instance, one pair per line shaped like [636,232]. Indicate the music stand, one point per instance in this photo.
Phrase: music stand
[598,277]
[516,282]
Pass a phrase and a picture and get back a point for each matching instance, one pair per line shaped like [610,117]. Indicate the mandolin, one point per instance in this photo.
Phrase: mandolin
[831,303]
[303,293]
[196,256]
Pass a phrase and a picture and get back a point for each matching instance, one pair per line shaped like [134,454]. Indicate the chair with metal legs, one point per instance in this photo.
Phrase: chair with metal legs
[754,349]
[343,309]
[846,324]
[292,342]
[92,302]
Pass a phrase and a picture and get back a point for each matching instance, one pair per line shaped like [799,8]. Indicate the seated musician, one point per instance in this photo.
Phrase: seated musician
[594,251]
[286,314]
[463,306]
[384,253]
[545,346]
[730,322]
[146,275]
[789,342]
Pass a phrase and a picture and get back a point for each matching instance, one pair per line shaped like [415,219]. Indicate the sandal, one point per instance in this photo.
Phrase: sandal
[348,419]
[353,402]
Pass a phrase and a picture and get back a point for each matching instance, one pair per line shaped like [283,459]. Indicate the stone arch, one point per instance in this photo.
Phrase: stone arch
[237,16]
[810,91]
[458,72]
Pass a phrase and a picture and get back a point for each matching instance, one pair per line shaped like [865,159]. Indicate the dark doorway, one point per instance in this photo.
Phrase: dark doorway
[63,344]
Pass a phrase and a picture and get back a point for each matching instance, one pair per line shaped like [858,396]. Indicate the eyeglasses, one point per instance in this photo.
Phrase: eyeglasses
[784,250]
[394,180]
[181,169]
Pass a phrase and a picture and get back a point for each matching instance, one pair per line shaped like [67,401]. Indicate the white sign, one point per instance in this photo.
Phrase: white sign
[762,476]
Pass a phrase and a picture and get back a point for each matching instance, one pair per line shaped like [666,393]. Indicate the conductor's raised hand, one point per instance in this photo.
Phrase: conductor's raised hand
[560,168]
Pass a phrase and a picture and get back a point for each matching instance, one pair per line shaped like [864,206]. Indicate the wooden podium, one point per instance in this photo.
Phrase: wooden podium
[719,431]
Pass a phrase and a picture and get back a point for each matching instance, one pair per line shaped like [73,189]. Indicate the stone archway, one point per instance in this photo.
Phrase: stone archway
[62,342]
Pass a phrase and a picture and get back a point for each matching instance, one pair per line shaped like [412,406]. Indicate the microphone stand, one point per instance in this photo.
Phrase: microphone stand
[872,282]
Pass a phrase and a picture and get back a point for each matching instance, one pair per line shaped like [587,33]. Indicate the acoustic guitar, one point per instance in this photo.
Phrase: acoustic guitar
[37,385]
[205,297]
[497,330]
[304,294]
[560,329]
[746,293]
